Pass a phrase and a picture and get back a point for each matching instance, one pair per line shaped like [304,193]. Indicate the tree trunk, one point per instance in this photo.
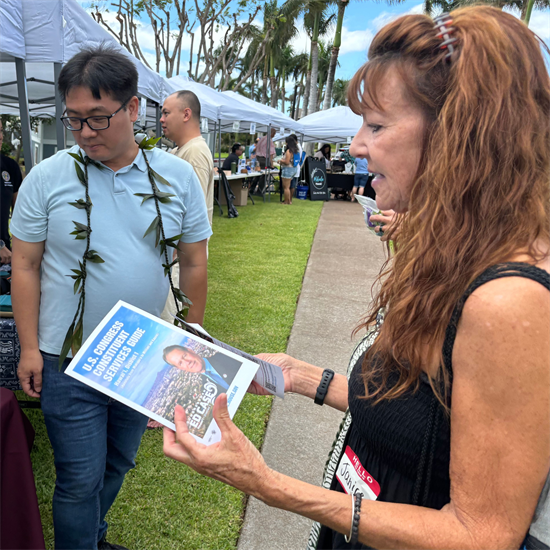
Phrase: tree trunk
[313,93]
[264,81]
[334,54]
[528,9]
[293,109]
[314,65]
[306,94]
[273,81]
[330,78]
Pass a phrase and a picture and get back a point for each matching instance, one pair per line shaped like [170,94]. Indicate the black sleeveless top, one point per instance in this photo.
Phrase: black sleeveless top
[404,443]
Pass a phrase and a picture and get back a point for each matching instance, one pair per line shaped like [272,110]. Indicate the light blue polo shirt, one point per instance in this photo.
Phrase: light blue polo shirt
[132,270]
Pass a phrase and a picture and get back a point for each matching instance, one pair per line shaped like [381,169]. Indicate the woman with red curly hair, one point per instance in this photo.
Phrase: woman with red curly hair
[446,442]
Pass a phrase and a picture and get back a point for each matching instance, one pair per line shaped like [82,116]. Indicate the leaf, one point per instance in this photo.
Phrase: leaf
[77,272]
[66,345]
[148,143]
[76,283]
[77,157]
[79,203]
[157,236]
[167,267]
[146,196]
[161,195]
[94,257]
[175,239]
[77,337]
[80,174]
[160,178]
[182,297]
[81,227]
[154,225]
[164,200]
[182,314]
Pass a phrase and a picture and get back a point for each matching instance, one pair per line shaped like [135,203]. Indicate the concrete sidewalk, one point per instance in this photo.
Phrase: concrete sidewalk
[344,262]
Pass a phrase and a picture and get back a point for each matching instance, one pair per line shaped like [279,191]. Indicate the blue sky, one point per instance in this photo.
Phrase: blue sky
[361,22]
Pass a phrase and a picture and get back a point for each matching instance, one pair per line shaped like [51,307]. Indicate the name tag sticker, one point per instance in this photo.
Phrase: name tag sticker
[354,478]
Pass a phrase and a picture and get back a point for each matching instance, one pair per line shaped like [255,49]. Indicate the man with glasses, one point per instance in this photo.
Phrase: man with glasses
[95,439]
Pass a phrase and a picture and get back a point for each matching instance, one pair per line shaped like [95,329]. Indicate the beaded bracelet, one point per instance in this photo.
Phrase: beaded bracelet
[356,516]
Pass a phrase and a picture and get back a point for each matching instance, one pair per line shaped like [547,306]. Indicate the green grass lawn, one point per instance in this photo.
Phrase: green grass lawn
[256,266]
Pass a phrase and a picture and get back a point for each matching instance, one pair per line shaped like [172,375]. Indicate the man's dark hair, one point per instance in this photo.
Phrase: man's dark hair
[100,69]
[170,349]
[191,101]
[235,147]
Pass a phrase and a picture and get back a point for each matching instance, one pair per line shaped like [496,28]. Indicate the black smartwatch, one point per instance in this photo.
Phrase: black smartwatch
[326,379]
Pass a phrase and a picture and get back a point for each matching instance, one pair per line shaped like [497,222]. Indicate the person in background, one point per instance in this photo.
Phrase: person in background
[261,151]
[180,120]
[324,153]
[95,438]
[9,186]
[300,159]
[361,177]
[288,169]
[252,154]
[446,437]
[234,156]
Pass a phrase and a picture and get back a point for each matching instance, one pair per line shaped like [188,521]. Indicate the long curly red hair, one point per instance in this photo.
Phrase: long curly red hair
[482,190]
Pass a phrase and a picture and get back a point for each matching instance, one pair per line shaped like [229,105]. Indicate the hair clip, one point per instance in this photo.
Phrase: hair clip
[444,32]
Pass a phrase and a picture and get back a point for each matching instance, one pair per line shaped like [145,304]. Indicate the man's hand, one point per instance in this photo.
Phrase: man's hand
[30,372]
[5,255]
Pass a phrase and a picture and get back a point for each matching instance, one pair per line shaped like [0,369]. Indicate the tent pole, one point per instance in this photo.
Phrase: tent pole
[219,156]
[268,161]
[24,112]
[59,128]
[158,129]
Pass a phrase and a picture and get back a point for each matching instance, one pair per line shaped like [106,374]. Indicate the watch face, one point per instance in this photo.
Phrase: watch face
[2,244]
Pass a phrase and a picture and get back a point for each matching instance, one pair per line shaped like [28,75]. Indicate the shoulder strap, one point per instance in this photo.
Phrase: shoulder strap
[498,271]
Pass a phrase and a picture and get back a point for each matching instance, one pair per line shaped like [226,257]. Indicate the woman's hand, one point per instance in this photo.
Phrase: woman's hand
[233,460]
[386,222]
[289,365]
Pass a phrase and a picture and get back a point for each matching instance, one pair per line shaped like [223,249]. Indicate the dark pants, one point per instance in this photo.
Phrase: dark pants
[95,440]
[259,182]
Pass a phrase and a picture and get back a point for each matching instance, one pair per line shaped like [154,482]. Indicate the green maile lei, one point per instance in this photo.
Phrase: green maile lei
[73,338]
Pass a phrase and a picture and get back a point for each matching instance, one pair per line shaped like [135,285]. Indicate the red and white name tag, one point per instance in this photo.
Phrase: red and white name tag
[354,478]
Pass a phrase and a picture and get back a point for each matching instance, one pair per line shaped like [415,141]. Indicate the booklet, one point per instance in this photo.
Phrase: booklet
[151,365]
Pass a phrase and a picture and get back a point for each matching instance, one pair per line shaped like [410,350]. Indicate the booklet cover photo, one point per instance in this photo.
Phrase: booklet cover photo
[151,366]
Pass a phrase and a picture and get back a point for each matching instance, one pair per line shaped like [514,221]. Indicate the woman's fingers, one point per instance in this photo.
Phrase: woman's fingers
[180,445]
[221,414]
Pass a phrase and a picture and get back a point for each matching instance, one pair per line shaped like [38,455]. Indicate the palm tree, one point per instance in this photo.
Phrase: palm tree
[339,92]
[324,63]
[299,70]
[317,20]
[334,54]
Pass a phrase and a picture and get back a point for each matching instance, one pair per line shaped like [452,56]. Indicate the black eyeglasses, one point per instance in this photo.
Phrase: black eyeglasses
[94,122]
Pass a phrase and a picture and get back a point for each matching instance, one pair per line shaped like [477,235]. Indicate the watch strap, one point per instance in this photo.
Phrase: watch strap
[326,379]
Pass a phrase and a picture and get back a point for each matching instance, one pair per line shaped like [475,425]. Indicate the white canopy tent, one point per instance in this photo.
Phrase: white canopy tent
[334,125]
[38,36]
[269,116]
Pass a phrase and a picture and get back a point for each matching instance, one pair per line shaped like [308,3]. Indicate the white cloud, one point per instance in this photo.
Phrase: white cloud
[540,23]
[356,41]
[385,17]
